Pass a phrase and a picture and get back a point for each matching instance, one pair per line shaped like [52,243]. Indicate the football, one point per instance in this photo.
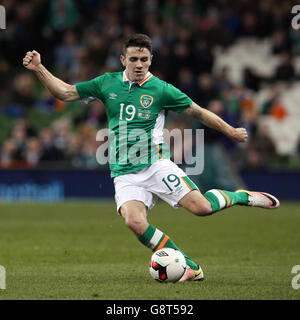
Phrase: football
[167,265]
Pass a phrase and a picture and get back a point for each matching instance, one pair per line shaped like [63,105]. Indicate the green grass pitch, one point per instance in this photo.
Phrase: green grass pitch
[82,250]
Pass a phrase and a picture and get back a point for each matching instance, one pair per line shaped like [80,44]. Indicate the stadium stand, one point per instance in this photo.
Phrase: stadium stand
[244,54]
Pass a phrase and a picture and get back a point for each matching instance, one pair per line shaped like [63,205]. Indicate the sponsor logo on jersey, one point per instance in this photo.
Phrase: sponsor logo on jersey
[146,100]
[112,95]
[144,114]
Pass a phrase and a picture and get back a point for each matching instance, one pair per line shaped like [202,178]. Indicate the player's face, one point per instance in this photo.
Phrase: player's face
[137,62]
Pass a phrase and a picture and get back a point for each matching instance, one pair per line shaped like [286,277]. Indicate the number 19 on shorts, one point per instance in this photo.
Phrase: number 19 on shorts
[171,182]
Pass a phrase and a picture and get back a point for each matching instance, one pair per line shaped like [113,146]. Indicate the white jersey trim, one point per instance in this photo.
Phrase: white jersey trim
[158,130]
[140,83]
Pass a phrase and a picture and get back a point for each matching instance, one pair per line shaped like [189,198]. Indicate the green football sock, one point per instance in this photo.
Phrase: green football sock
[221,199]
[155,239]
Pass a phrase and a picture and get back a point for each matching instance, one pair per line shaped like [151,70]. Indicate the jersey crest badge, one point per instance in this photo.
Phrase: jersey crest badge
[146,101]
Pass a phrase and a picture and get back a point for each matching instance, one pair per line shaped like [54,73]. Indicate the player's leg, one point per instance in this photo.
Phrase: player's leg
[211,201]
[135,215]
[215,200]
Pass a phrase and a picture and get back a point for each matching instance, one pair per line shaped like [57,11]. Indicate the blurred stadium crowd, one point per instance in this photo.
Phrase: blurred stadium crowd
[240,59]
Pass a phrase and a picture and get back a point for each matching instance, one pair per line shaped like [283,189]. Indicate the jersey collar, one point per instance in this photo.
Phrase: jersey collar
[147,77]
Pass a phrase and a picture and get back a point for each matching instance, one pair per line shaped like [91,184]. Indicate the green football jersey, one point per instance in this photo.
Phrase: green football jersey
[136,114]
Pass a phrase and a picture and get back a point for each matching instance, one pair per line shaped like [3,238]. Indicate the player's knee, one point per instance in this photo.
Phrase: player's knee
[132,223]
[201,208]
[136,223]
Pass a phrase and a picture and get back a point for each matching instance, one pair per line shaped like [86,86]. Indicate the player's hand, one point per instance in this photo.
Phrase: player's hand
[239,135]
[32,60]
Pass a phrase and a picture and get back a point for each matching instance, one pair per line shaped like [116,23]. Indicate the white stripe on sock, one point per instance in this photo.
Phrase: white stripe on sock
[220,197]
[155,239]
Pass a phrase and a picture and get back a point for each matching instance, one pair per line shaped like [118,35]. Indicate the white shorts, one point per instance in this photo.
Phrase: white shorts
[163,179]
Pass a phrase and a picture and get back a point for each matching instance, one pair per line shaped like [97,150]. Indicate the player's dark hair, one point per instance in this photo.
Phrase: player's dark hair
[138,40]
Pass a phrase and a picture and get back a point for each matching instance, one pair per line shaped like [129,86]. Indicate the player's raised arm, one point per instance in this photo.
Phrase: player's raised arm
[213,121]
[58,88]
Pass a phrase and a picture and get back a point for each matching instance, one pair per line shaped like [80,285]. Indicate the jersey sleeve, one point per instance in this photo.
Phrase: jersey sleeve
[174,99]
[91,89]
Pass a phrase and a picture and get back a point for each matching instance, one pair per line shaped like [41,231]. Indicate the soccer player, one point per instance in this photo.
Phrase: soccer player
[136,99]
